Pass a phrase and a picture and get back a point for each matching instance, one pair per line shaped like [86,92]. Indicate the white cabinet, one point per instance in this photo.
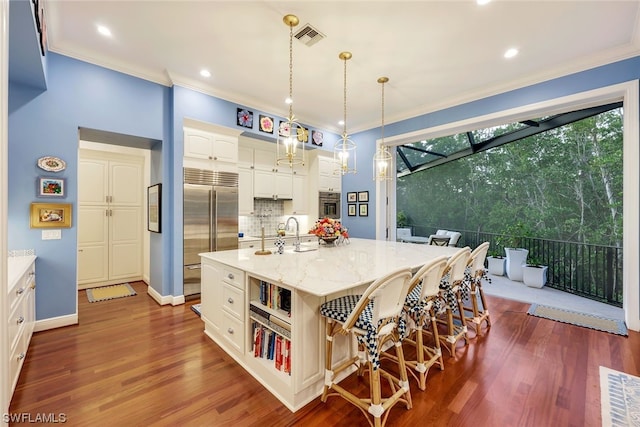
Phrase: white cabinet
[275,183]
[327,179]
[199,144]
[223,303]
[22,314]
[299,204]
[245,191]
[110,218]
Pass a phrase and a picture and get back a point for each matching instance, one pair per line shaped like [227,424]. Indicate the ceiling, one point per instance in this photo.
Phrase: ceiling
[436,53]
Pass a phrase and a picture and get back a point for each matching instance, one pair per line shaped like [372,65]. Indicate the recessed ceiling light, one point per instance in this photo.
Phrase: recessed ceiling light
[482,2]
[510,53]
[205,73]
[288,101]
[104,31]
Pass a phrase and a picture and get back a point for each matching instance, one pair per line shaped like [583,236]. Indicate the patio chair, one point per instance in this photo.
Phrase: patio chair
[475,273]
[451,294]
[453,236]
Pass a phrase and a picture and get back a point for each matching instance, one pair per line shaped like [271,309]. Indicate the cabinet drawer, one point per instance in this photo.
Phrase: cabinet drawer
[233,300]
[233,330]
[16,321]
[233,277]
[16,293]
[16,360]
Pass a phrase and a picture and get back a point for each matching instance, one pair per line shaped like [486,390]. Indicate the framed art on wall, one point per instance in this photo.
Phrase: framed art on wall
[363,196]
[154,199]
[266,124]
[50,215]
[352,197]
[352,209]
[245,118]
[50,187]
[364,209]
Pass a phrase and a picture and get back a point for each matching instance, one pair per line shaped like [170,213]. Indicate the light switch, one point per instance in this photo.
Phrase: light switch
[51,234]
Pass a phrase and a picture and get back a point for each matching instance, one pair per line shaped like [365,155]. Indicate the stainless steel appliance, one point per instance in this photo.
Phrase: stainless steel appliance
[210,219]
[329,205]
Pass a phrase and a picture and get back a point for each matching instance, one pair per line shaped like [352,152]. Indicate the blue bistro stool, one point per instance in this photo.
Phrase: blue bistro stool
[375,319]
[420,308]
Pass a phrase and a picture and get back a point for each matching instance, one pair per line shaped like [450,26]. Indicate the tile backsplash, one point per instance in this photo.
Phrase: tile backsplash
[271,212]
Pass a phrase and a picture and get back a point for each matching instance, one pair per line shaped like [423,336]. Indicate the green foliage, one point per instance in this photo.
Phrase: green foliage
[564,184]
[401,219]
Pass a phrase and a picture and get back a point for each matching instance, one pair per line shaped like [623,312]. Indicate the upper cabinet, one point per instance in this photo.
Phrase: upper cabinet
[327,179]
[210,150]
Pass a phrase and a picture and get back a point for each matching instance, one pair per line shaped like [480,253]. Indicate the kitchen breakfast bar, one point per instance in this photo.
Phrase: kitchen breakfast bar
[263,310]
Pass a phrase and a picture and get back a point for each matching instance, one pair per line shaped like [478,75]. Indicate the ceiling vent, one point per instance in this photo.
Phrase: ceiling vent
[309,35]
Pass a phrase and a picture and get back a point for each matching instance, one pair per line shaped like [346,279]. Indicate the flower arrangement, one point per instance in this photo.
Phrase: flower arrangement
[327,228]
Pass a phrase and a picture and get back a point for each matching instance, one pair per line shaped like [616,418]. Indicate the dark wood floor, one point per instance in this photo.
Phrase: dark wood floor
[131,362]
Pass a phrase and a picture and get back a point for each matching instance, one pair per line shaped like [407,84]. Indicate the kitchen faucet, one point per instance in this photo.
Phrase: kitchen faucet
[296,243]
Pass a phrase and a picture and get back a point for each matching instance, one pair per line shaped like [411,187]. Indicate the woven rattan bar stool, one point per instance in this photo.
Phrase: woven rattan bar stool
[375,320]
[479,311]
[450,292]
[420,310]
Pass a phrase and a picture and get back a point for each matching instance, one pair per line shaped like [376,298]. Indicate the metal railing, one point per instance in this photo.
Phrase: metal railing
[590,271]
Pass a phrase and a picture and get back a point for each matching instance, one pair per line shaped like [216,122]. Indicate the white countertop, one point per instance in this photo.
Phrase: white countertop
[331,269]
[16,266]
[273,236]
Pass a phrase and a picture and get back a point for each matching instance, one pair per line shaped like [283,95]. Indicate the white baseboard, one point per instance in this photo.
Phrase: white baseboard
[165,299]
[55,322]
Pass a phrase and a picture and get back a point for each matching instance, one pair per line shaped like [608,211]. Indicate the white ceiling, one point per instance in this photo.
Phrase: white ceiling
[435,53]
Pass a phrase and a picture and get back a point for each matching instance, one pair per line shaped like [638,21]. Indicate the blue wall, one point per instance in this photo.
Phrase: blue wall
[46,123]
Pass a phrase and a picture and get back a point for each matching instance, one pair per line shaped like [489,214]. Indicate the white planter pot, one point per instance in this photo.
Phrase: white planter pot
[495,266]
[534,276]
[516,257]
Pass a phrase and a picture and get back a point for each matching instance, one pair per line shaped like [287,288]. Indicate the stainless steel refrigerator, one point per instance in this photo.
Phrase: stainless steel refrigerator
[210,222]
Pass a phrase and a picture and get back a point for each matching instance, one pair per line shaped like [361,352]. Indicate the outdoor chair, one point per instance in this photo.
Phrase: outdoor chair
[475,273]
[451,294]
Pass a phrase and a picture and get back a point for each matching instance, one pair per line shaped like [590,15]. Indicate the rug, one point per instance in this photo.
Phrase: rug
[619,398]
[585,320]
[110,292]
[196,309]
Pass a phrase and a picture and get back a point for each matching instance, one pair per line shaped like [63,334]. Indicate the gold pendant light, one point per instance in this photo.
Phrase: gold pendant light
[382,159]
[344,151]
[290,133]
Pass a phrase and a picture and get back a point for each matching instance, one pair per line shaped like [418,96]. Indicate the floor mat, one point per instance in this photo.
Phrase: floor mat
[585,320]
[619,398]
[110,292]
[196,309]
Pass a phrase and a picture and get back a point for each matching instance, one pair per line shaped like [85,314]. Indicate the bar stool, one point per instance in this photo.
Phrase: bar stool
[475,274]
[420,307]
[450,292]
[374,319]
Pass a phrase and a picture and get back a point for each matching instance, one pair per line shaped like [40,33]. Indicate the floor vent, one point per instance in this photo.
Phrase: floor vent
[309,35]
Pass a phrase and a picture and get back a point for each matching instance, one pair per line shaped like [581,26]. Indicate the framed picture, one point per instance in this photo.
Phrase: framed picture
[266,124]
[50,187]
[364,209]
[154,199]
[352,197]
[351,209]
[317,138]
[245,118]
[50,215]
[303,134]
[284,128]
[363,196]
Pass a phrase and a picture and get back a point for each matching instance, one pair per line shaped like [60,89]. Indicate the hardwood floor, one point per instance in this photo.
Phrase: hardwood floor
[131,362]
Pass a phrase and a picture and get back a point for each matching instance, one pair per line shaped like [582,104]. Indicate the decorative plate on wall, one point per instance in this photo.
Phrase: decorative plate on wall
[51,164]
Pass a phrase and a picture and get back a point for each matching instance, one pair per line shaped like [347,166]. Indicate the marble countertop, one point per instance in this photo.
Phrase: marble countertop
[331,269]
[16,266]
[272,236]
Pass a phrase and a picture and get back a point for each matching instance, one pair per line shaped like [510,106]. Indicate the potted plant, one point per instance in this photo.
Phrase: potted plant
[516,255]
[534,274]
[495,263]
[401,225]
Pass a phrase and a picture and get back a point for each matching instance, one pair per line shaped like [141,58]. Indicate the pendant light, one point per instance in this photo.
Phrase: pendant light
[344,151]
[382,159]
[291,135]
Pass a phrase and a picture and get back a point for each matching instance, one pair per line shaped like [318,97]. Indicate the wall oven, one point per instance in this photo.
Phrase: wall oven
[329,205]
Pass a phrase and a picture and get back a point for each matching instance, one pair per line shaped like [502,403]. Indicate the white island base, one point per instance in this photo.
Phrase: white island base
[234,303]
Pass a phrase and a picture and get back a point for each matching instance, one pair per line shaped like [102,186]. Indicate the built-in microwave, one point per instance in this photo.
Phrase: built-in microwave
[329,205]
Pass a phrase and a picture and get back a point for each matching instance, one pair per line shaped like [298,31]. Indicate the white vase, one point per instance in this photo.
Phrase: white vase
[516,257]
[534,276]
[495,265]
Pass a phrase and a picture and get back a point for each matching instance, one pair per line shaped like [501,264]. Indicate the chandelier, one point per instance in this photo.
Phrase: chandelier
[344,151]
[290,133]
[382,159]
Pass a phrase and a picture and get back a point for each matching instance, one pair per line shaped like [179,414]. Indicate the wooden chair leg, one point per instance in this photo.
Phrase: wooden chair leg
[436,337]
[328,372]
[484,306]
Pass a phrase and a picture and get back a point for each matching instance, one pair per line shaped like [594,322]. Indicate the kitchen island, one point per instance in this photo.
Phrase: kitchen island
[263,310]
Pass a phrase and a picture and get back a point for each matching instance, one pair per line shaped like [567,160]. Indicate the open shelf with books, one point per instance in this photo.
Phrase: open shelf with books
[270,333]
